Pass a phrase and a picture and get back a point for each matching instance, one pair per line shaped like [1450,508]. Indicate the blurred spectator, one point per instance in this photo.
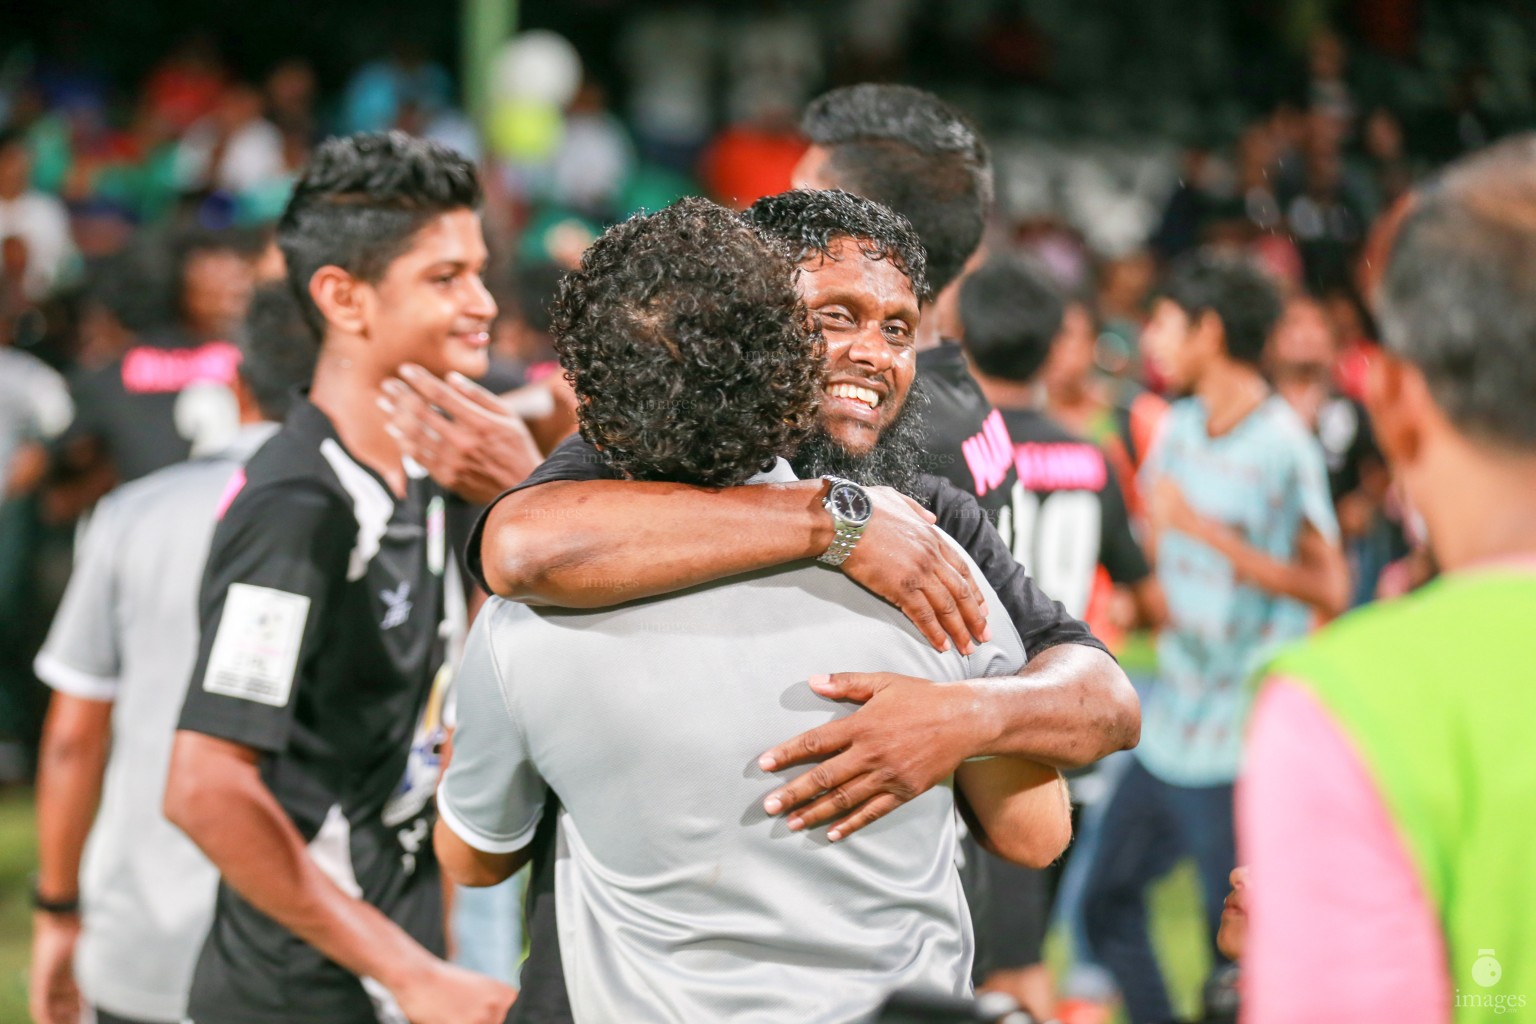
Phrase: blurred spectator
[169,395]
[595,158]
[1327,87]
[377,91]
[1355,332]
[38,220]
[34,402]
[753,158]
[668,56]
[1385,166]
[290,96]
[186,85]
[1074,534]
[1246,551]
[1300,361]
[1115,413]
[233,149]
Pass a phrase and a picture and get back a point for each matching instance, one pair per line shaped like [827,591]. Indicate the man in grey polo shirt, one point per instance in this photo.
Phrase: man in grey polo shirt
[118,658]
[679,898]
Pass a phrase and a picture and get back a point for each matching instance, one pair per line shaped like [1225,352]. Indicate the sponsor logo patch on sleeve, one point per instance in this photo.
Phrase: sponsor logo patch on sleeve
[256,649]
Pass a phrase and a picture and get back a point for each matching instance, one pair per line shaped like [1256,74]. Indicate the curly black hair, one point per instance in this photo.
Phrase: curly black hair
[360,201]
[688,347]
[808,220]
[915,153]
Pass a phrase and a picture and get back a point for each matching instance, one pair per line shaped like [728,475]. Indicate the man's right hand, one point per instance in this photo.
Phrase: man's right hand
[445,994]
[903,558]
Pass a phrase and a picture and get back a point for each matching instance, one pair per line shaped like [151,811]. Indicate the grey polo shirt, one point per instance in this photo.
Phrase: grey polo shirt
[678,898]
[126,633]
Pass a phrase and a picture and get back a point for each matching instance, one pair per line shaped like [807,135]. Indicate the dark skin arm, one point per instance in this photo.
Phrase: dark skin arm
[1070,706]
[591,544]
[215,795]
[71,763]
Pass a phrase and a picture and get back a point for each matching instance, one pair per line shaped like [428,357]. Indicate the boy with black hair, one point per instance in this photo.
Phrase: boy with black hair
[309,743]
[1247,555]
[1076,537]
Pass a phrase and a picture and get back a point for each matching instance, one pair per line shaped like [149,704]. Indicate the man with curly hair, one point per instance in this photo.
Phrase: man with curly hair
[681,896]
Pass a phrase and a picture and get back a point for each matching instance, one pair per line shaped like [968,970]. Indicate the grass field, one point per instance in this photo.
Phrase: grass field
[1175,919]
[18,858]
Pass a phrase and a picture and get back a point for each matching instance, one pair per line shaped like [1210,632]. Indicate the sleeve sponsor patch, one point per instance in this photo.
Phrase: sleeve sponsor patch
[256,649]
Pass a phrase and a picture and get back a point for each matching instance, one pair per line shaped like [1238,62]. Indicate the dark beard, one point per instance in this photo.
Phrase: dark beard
[896,460]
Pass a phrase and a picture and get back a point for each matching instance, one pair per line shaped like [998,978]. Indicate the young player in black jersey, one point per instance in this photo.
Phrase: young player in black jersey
[908,150]
[1072,533]
[308,746]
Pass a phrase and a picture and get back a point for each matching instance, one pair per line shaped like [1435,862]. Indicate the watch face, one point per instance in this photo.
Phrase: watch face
[851,503]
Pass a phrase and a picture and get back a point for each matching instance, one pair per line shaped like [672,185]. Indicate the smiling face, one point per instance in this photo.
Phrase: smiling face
[431,306]
[868,314]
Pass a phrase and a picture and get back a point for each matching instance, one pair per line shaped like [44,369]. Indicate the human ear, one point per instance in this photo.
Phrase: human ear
[343,300]
[1395,395]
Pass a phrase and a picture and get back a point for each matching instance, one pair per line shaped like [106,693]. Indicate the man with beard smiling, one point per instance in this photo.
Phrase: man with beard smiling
[575,521]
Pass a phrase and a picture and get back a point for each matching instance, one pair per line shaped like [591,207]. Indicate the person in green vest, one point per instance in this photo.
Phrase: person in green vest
[1387,811]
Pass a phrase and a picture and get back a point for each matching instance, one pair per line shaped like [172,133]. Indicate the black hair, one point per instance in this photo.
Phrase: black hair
[11,136]
[914,153]
[277,349]
[534,288]
[1012,312]
[688,347]
[810,221]
[1458,299]
[1234,290]
[361,200]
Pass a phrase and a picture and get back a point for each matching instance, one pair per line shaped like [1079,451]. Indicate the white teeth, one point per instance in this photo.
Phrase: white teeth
[858,394]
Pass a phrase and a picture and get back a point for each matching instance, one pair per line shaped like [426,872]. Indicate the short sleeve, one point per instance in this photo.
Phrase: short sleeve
[81,656]
[573,459]
[1340,927]
[1041,622]
[492,795]
[277,560]
[1311,483]
[1119,550]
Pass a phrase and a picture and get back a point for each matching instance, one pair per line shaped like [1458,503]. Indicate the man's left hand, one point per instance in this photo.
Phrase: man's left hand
[459,432]
[910,735]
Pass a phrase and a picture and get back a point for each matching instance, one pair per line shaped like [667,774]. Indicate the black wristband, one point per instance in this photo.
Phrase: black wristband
[46,906]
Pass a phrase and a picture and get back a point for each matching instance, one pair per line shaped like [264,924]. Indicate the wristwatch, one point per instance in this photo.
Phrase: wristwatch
[851,509]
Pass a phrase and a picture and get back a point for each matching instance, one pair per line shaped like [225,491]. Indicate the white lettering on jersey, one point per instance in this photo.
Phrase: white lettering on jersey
[256,650]
[1057,539]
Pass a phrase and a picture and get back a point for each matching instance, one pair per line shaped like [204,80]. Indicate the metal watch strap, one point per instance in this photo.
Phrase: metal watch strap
[844,537]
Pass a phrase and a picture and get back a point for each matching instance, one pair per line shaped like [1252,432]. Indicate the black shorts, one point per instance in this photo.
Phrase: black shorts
[1017,914]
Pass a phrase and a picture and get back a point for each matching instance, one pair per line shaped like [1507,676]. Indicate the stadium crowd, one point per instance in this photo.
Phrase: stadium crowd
[458,575]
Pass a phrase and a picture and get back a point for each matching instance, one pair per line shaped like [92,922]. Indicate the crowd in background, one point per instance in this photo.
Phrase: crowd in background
[135,224]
